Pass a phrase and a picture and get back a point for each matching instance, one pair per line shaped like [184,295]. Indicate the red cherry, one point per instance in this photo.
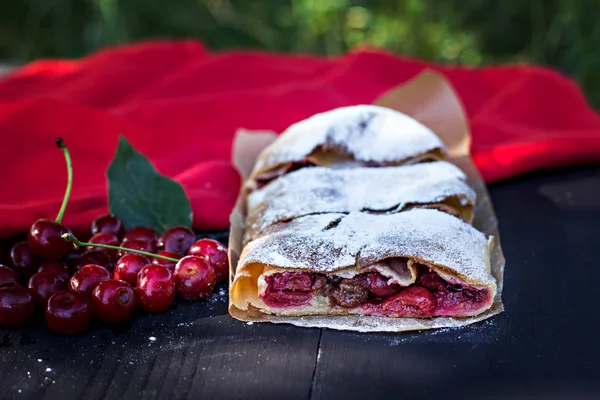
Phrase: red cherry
[155,288]
[87,278]
[128,267]
[108,223]
[143,233]
[58,268]
[216,255]
[68,312]
[23,261]
[135,244]
[46,241]
[97,257]
[432,281]
[169,264]
[16,305]
[414,300]
[7,275]
[71,259]
[43,285]
[113,301]
[194,278]
[105,238]
[417,296]
[178,239]
[379,287]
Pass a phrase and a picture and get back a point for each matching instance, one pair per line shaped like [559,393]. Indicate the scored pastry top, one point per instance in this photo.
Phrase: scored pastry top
[365,133]
[385,189]
[331,242]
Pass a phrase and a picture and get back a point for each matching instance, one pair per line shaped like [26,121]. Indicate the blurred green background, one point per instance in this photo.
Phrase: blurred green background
[563,34]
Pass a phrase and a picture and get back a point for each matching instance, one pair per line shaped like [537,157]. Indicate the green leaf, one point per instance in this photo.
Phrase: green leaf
[140,196]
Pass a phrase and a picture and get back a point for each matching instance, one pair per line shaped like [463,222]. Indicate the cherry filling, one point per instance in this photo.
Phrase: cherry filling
[450,297]
[288,289]
[351,292]
[292,281]
[430,295]
[414,301]
[379,287]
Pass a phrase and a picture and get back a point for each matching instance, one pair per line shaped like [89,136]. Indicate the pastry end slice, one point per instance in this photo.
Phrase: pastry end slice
[364,135]
[432,264]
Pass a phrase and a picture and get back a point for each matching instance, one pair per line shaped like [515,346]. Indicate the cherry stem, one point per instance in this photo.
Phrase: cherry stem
[61,144]
[70,237]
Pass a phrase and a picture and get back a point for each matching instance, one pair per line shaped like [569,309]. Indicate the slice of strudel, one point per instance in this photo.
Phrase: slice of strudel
[364,135]
[386,190]
[417,263]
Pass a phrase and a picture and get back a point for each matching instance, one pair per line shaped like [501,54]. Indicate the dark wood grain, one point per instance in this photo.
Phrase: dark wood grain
[544,345]
[193,351]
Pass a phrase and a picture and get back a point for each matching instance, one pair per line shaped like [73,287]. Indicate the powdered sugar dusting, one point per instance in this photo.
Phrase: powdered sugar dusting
[307,248]
[369,133]
[324,190]
[360,239]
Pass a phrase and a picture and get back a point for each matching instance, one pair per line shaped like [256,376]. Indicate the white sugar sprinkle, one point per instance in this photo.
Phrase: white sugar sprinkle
[324,190]
[353,130]
[361,239]
[48,369]
[152,338]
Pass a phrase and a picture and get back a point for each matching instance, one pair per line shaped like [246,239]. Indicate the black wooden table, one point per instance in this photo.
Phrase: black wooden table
[546,344]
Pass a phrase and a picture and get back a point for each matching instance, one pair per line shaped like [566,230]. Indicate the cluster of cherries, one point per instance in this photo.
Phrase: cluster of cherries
[110,276]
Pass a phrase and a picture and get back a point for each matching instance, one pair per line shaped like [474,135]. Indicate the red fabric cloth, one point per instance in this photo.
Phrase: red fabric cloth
[180,105]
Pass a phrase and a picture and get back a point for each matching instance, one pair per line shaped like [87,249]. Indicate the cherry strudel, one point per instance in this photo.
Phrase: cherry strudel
[354,212]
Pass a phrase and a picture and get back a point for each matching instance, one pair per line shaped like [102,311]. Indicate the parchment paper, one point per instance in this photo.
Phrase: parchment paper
[430,99]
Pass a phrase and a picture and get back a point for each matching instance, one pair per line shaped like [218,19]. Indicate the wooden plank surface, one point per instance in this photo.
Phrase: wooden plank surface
[544,345]
[195,350]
